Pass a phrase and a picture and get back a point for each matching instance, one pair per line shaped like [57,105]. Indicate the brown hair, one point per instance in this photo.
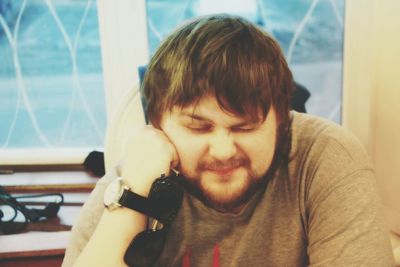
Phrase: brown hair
[221,55]
[227,57]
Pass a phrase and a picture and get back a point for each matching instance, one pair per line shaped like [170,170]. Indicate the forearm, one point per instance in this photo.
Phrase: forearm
[112,237]
[149,155]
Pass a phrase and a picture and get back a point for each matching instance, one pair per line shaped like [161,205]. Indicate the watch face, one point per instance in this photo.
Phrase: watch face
[113,192]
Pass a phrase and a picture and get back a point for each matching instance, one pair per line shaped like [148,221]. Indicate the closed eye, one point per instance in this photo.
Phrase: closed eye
[199,128]
[245,128]
[242,129]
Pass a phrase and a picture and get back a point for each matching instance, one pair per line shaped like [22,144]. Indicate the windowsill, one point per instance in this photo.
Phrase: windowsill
[45,181]
[53,156]
[26,245]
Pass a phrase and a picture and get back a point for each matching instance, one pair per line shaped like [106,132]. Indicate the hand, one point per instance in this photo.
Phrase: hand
[148,155]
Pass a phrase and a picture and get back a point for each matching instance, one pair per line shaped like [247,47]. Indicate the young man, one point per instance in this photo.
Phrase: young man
[263,186]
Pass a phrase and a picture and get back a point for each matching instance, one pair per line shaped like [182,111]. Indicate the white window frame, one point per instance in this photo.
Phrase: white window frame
[123,36]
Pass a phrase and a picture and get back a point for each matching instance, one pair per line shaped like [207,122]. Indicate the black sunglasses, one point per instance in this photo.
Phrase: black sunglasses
[165,196]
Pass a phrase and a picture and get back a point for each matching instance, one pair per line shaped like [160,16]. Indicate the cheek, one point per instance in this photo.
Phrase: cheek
[186,145]
[262,159]
[260,150]
[190,150]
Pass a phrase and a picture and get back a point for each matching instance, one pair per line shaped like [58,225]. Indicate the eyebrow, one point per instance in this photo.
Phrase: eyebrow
[195,117]
[203,119]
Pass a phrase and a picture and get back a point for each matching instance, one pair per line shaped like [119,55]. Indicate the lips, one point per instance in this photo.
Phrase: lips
[223,171]
[224,168]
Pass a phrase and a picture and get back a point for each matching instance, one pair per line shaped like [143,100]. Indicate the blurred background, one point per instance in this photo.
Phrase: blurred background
[52,90]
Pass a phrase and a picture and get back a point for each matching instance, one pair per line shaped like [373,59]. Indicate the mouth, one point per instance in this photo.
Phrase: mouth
[223,171]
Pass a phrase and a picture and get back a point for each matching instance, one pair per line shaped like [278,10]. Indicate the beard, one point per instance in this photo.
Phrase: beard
[225,193]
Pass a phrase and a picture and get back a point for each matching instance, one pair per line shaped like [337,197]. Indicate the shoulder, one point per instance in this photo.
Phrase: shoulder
[328,161]
[315,139]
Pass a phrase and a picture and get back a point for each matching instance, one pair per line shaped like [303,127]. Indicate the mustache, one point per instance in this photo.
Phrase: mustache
[223,165]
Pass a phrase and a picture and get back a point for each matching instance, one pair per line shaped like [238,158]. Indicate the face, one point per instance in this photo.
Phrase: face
[223,157]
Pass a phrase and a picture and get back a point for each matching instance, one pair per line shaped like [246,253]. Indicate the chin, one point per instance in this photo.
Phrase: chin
[225,194]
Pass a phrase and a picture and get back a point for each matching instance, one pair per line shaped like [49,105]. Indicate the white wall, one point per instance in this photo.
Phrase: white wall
[371,99]
[387,116]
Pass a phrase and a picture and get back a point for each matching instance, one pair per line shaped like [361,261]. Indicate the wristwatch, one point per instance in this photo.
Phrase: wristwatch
[163,202]
[118,194]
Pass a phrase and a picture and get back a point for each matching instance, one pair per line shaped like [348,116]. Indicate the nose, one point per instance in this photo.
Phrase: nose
[222,145]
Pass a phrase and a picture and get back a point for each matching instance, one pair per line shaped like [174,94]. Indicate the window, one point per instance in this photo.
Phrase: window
[51,83]
[310,33]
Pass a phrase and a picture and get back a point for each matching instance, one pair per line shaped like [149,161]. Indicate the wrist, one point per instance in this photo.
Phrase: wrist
[119,194]
[140,181]
[161,203]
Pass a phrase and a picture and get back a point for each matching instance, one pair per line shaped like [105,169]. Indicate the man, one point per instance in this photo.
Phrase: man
[263,186]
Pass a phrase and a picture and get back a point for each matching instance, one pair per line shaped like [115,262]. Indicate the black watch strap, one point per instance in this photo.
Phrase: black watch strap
[139,203]
[163,202]
[165,199]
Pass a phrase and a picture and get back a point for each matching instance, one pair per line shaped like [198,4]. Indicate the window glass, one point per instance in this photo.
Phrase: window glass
[51,85]
[309,32]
